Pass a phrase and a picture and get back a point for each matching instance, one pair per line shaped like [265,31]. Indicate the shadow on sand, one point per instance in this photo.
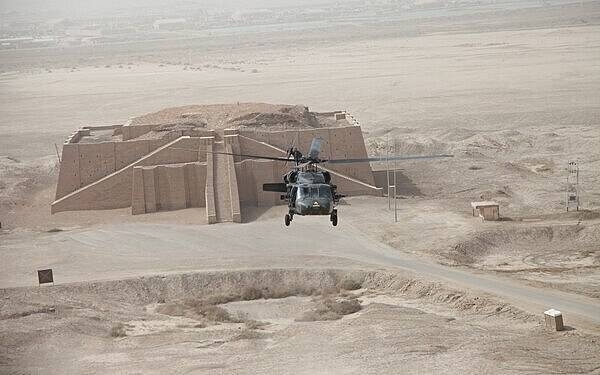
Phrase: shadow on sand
[405,185]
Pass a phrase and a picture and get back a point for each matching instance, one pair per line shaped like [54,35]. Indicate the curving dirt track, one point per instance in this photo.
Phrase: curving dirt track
[126,250]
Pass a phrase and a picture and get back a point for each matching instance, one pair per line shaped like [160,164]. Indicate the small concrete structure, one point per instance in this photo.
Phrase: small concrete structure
[339,116]
[554,320]
[170,24]
[488,210]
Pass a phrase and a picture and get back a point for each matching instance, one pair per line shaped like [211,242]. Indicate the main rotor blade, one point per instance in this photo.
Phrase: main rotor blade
[348,161]
[229,153]
[251,156]
[315,148]
[276,187]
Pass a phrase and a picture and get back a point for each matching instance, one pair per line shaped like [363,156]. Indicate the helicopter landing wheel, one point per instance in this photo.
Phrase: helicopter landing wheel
[288,220]
[334,219]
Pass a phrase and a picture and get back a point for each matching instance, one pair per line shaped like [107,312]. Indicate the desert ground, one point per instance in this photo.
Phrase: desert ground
[513,95]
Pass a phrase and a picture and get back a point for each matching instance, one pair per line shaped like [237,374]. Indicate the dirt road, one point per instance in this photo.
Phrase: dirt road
[135,249]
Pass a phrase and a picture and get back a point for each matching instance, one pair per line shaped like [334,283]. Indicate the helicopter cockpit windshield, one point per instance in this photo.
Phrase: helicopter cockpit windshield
[315,191]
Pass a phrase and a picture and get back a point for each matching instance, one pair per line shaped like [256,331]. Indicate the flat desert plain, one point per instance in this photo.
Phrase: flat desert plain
[513,95]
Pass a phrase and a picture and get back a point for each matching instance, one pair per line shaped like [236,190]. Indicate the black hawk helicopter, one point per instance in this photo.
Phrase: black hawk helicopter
[308,188]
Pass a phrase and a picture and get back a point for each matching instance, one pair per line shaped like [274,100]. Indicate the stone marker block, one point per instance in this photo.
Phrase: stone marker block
[554,320]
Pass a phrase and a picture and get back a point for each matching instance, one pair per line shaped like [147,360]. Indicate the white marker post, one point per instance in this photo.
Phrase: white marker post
[554,320]
[395,181]
[387,168]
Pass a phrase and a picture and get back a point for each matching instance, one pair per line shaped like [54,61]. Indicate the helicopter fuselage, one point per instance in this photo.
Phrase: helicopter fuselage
[310,193]
[308,189]
[311,199]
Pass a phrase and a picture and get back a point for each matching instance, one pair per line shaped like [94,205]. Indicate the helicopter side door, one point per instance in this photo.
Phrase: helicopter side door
[293,195]
[301,198]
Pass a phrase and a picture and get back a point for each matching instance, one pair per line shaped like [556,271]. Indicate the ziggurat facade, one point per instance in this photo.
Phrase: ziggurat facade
[170,159]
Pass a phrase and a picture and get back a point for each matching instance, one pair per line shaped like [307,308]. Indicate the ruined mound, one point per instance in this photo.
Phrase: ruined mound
[221,116]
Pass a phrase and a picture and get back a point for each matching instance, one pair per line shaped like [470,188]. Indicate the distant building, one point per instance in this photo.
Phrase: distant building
[15,43]
[27,42]
[43,42]
[170,24]
[251,15]
[488,210]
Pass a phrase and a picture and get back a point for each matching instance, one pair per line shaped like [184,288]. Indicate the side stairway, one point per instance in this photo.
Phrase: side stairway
[115,190]
[224,204]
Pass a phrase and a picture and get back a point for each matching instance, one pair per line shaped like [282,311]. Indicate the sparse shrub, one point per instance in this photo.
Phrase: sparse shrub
[283,291]
[329,291]
[118,330]
[590,215]
[195,308]
[317,316]
[345,307]
[172,309]
[255,324]
[219,299]
[248,334]
[214,313]
[330,309]
[250,294]
[349,284]
[207,309]
[277,292]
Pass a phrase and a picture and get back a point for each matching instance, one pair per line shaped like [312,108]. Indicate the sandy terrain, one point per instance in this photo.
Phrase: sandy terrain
[513,95]
[402,324]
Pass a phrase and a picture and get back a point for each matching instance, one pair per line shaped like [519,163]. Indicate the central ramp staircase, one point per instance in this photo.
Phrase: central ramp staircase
[223,201]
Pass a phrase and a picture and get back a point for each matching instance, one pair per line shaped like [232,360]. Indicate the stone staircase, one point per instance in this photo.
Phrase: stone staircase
[224,184]
[115,190]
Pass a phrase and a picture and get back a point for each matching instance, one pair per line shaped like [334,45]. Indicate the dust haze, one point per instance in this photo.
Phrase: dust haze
[509,88]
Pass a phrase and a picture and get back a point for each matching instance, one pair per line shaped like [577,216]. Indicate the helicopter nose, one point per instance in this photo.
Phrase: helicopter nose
[320,206]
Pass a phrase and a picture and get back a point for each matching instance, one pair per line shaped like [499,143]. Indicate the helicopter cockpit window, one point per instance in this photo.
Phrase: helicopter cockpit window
[314,192]
[324,192]
[304,191]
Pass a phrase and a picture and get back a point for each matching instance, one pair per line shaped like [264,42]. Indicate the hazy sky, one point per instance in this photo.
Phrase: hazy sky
[100,7]
[45,9]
